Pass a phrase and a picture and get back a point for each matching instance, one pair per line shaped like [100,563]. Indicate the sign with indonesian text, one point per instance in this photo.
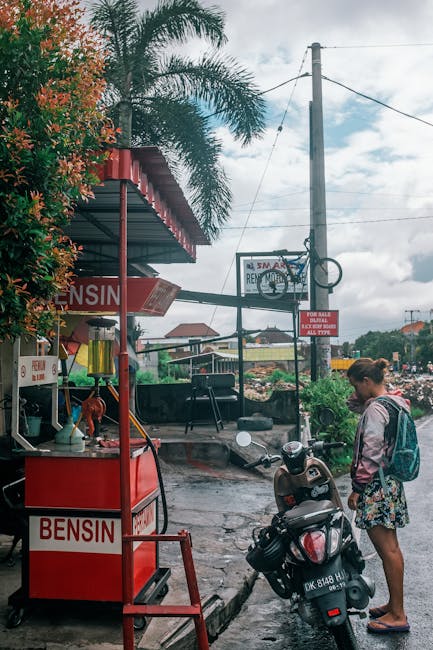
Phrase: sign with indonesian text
[35,371]
[254,267]
[318,323]
[70,534]
[152,296]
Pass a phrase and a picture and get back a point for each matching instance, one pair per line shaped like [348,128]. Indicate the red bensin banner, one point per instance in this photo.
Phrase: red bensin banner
[151,296]
[318,323]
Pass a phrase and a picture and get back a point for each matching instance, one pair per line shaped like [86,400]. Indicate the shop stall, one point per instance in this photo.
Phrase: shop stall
[85,503]
[72,538]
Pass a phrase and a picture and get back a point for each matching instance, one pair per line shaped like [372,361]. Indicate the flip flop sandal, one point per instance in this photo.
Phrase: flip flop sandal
[385,628]
[377,612]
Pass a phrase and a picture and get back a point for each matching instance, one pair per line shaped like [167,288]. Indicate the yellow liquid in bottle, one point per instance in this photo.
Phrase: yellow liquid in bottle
[100,359]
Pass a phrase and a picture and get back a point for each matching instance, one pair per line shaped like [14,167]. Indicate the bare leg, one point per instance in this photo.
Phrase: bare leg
[386,544]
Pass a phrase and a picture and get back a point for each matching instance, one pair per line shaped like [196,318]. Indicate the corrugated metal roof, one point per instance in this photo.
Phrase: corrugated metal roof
[206,356]
[267,353]
[161,225]
[250,354]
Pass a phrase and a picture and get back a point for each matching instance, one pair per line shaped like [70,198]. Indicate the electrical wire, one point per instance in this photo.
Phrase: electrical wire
[383,45]
[331,223]
[377,101]
[268,90]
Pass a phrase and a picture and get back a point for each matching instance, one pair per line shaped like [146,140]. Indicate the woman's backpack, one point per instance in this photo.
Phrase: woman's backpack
[402,459]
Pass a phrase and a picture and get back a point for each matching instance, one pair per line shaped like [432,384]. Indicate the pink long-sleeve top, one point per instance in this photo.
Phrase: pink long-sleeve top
[370,445]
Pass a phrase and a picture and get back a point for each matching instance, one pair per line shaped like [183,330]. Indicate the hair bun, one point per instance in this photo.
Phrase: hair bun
[381,363]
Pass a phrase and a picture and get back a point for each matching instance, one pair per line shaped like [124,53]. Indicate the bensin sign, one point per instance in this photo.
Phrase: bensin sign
[152,296]
[70,534]
[318,323]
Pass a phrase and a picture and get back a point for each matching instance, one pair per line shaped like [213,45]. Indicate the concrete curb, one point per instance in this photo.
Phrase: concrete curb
[218,611]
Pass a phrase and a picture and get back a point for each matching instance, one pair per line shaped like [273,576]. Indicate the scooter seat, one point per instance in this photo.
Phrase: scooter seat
[309,512]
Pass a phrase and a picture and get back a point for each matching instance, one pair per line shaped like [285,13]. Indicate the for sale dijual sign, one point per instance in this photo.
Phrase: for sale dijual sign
[318,323]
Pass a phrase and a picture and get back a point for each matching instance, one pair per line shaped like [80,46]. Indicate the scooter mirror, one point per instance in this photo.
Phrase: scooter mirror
[243,439]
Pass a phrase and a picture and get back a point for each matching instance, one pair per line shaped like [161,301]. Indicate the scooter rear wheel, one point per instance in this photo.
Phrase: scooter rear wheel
[344,636]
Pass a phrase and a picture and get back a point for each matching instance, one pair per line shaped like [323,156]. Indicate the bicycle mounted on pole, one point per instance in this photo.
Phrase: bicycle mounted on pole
[274,283]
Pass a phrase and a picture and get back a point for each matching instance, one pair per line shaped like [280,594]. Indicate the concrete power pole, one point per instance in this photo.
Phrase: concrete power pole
[319,299]
[412,334]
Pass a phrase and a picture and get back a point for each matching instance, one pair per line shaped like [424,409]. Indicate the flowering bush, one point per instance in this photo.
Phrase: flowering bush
[52,133]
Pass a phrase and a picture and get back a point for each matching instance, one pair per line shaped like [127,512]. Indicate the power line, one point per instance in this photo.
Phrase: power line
[330,223]
[377,101]
[283,83]
[268,90]
[383,45]
[330,191]
[328,209]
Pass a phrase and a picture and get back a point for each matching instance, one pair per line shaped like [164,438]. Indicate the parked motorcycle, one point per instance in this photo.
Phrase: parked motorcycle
[308,554]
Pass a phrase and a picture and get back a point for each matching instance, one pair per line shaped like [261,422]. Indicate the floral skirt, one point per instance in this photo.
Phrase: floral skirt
[376,508]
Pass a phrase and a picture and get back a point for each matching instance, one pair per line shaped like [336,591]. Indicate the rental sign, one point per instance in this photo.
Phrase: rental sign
[318,323]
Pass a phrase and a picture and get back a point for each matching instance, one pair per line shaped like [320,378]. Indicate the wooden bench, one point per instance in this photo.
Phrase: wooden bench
[212,389]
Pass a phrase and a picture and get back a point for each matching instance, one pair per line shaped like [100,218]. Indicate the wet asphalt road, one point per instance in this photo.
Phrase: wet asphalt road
[264,622]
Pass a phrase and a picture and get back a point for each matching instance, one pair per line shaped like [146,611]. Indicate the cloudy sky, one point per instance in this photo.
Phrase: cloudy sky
[378,163]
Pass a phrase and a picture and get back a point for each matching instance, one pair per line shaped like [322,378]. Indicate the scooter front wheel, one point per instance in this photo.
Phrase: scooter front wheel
[344,636]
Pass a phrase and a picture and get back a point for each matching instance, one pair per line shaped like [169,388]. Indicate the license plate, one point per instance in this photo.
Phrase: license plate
[318,586]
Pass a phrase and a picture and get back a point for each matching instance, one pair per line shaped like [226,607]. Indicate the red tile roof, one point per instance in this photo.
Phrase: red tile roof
[191,330]
[414,327]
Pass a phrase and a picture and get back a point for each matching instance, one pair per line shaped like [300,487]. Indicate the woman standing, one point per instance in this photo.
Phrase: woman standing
[380,511]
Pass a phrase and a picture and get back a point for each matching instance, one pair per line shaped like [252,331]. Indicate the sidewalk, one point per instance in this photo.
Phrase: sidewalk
[207,494]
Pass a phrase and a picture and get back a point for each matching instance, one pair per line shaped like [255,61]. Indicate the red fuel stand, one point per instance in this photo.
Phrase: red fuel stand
[73,548]
[72,542]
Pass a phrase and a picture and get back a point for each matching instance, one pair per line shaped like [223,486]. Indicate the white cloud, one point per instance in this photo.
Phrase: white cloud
[378,163]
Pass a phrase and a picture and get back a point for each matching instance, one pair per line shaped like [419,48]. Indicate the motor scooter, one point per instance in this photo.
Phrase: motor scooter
[308,553]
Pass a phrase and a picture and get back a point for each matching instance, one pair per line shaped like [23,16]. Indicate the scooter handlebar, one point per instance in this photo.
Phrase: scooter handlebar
[266,461]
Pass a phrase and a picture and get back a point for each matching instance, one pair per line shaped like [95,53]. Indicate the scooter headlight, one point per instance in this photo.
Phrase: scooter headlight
[314,545]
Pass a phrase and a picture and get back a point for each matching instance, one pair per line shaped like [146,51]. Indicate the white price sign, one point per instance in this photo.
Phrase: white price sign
[34,371]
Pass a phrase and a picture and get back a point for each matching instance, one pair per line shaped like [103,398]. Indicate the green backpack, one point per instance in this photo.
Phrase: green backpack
[403,460]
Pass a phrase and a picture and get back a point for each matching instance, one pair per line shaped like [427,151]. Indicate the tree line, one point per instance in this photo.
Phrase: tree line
[376,344]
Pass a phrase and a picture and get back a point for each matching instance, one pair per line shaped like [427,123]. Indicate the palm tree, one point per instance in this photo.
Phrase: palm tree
[173,102]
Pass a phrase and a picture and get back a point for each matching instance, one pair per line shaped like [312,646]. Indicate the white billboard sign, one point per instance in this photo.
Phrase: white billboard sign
[255,266]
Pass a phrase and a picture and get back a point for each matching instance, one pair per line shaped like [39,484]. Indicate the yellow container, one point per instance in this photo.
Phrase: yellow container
[100,359]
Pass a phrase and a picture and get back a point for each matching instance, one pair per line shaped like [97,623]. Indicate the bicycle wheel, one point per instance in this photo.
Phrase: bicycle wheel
[327,273]
[272,284]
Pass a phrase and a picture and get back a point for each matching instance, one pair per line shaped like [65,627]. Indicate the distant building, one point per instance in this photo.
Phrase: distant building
[272,335]
[185,339]
[191,331]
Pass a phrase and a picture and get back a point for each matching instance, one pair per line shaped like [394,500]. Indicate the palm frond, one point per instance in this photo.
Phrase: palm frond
[221,83]
[177,126]
[177,20]
[166,95]
[117,21]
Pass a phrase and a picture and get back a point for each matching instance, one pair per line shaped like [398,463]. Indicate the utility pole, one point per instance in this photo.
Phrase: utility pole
[412,336]
[319,298]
